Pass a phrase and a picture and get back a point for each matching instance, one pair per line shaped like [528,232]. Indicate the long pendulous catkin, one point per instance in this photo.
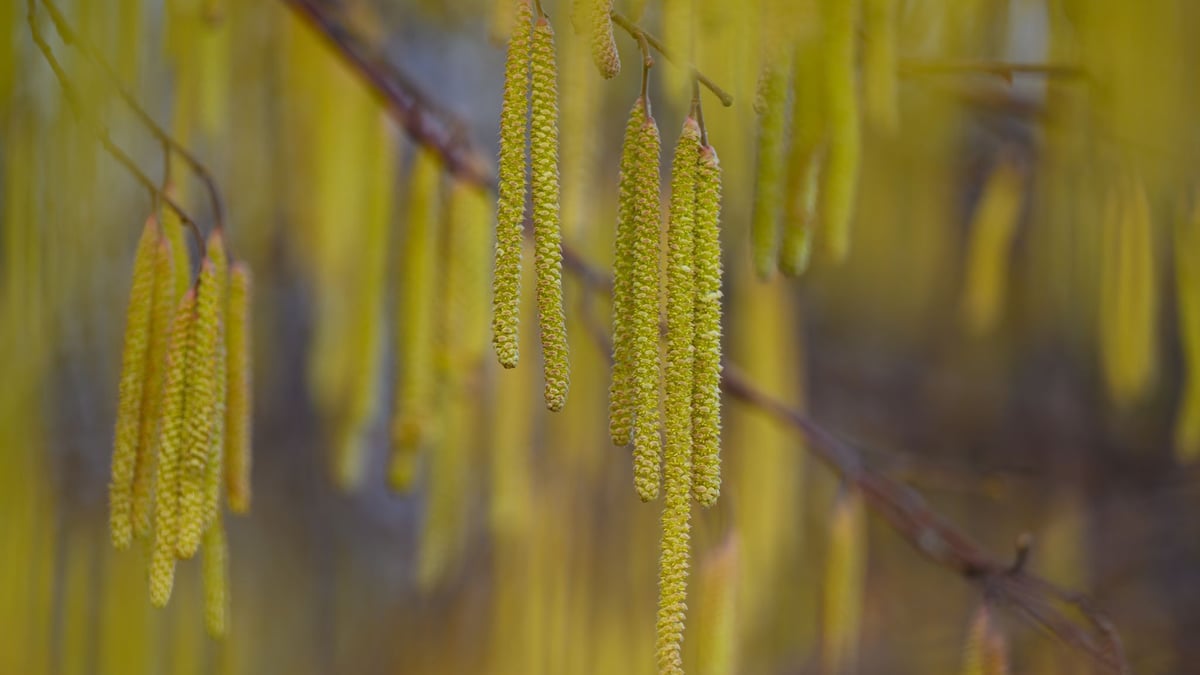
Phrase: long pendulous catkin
[993,227]
[202,406]
[1187,293]
[879,63]
[845,570]
[170,447]
[841,96]
[805,156]
[165,300]
[679,382]
[600,32]
[645,298]
[238,457]
[215,571]
[543,152]
[510,206]
[138,318]
[768,176]
[621,390]
[706,392]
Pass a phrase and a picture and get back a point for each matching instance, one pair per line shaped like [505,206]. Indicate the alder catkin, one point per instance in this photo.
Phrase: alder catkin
[138,318]
[621,393]
[706,393]
[510,206]
[771,105]
[842,161]
[1187,293]
[238,457]
[202,405]
[600,31]
[170,447]
[165,300]
[543,144]
[645,298]
[215,571]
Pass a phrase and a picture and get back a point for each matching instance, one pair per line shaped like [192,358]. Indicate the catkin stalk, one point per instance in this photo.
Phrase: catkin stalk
[1187,291]
[238,460]
[645,298]
[138,318]
[543,153]
[600,32]
[621,390]
[510,207]
[768,176]
[706,392]
[841,169]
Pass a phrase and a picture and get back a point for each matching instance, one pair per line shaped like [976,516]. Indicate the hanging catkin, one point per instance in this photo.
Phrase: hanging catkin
[706,394]
[170,447]
[645,299]
[214,472]
[845,571]
[991,235]
[679,384]
[238,458]
[510,207]
[621,393]
[165,300]
[202,407]
[986,649]
[133,382]
[413,419]
[543,152]
[1187,293]
[805,155]
[215,570]
[841,169]
[879,64]
[600,31]
[771,105]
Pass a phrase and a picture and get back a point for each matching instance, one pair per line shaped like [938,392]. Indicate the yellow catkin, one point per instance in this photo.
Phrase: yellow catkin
[841,97]
[991,235]
[165,300]
[214,473]
[413,419]
[215,570]
[543,151]
[845,571]
[469,239]
[986,649]
[170,447]
[715,617]
[1187,293]
[879,64]
[645,300]
[510,206]
[240,402]
[621,392]
[677,453]
[706,392]
[604,46]
[805,155]
[138,318]
[202,406]
[175,230]
[768,175]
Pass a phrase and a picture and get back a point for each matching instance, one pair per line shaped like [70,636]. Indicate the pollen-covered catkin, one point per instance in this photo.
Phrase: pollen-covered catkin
[600,31]
[768,179]
[543,144]
[202,405]
[706,393]
[238,458]
[1187,293]
[138,318]
[621,394]
[165,300]
[645,298]
[170,447]
[841,96]
[510,206]
[215,570]
[214,473]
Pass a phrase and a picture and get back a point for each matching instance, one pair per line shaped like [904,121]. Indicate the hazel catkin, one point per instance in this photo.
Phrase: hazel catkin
[706,393]
[215,571]
[842,161]
[621,390]
[645,299]
[768,178]
[238,457]
[1187,293]
[600,32]
[543,130]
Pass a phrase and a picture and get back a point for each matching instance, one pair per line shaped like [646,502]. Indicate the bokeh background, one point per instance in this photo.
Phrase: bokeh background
[972,360]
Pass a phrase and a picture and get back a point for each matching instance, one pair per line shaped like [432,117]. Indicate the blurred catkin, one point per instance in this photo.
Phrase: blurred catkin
[805,156]
[771,106]
[215,570]
[645,300]
[238,416]
[510,207]
[992,230]
[413,419]
[879,64]
[845,577]
[621,394]
[600,33]
[138,318]
[715,618]
[706,392]
[986,649]
[543,153]
[1187,293]
[841,97]
[174,228]
[170,448]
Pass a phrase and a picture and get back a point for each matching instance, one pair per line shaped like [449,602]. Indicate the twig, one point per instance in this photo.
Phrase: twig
[637,32]
[998,68]
[101,132]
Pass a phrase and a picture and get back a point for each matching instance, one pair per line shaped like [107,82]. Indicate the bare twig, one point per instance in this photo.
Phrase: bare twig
[1001,69]
[637,32]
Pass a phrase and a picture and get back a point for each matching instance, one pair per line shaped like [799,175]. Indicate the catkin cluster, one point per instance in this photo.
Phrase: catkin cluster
[184,406]
[530,114]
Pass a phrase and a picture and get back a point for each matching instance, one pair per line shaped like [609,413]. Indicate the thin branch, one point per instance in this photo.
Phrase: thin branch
[101,132]
[927,531]
[72,37]
[637,32]
[1002,69]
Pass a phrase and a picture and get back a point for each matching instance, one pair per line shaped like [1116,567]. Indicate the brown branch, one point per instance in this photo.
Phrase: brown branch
[1002,69]
[639,34]
[927,531]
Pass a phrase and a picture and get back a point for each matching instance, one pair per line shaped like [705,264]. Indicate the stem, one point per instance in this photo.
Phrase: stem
[637,32]
[647,64]
[698,112]
[998,68]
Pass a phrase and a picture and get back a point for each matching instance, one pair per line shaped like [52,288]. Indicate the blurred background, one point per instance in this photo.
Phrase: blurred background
[1011,335]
